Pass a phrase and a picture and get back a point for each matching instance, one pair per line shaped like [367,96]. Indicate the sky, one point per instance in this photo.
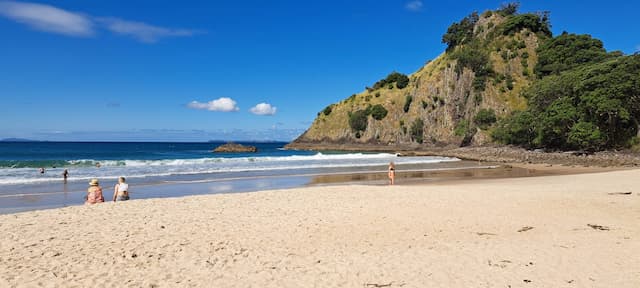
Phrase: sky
[158,70]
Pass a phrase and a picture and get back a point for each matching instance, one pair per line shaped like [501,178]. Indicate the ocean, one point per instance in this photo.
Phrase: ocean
[154,169]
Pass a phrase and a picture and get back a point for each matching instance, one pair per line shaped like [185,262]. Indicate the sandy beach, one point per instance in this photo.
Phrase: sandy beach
[549,231]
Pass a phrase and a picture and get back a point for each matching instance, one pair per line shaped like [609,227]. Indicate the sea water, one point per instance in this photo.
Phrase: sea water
[155,164]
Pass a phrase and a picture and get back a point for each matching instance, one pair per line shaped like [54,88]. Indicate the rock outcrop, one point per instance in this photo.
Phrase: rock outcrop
[235,148]
[439,105]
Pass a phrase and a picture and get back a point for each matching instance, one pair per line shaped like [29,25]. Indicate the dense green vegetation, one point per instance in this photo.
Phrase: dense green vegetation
[593,106]
[460,32]
[475,58]
[516,130]
[485,118]
[462,128]
[399,79]
[358,121]
[568,51]
[377,111]
[579,96]
[536,23]
[471,52]
[327,110]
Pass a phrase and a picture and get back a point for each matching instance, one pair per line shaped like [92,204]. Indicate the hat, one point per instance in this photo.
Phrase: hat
[94,182]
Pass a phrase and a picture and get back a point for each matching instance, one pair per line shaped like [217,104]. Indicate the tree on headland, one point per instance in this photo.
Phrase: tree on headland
[593,106]
[508,9]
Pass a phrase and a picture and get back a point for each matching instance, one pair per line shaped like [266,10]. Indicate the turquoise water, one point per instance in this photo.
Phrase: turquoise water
[152,167]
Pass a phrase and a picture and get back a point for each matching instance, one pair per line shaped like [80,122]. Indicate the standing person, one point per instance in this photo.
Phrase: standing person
[94,193]
[121,191]
[392,173]
[65,175]
[41,170]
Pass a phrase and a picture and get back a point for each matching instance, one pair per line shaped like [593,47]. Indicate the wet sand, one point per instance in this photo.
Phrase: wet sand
[57,195]
[578,230]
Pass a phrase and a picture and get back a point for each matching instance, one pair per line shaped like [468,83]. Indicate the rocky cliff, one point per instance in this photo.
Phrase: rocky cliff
[483,72]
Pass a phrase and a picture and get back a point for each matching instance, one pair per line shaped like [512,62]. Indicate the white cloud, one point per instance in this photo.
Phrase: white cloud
[263,109]
[55,20]
[142,31]
[415,5]
[223,104]
[47,18]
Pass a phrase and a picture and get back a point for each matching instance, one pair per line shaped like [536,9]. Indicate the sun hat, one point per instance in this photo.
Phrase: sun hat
[94,182]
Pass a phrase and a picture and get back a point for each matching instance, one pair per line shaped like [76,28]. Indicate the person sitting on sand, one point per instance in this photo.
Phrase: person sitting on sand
[392,173]
[121,191]
[94,193]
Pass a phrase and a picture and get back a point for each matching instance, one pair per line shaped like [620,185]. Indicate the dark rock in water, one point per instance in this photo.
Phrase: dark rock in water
[235,148]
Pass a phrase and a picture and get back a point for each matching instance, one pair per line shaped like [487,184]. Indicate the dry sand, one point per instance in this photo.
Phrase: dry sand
[522,232]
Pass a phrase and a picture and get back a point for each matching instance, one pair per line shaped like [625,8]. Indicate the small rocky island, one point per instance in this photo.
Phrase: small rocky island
[235,148]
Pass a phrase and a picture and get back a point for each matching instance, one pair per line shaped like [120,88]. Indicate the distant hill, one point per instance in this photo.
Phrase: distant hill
[504,79]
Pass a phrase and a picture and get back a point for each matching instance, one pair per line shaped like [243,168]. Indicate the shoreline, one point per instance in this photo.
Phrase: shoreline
[549,231]
[445,172]
[498,154]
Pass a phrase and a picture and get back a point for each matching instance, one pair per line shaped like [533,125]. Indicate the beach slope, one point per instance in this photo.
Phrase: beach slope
[553,231]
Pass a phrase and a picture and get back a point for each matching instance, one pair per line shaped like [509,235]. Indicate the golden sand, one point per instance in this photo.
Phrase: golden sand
[551,231]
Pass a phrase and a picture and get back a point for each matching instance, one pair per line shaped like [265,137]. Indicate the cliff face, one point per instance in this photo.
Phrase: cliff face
[444,96]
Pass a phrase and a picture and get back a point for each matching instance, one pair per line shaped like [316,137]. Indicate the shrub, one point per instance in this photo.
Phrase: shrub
[407,103]
[519,129]
[485,118]
[474,58]
[358,120]
[424,104]
[479,83]
[462,128]
[378,112]
[460,32]
[585,135]
[508,9]
[509,81]
[535,23]
[327,110]
[399,79]
[402,81]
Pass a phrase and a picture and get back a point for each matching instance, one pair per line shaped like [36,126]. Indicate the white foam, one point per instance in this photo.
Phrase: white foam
[168,167]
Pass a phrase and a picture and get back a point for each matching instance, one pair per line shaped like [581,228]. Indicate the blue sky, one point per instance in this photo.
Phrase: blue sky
[231,70]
